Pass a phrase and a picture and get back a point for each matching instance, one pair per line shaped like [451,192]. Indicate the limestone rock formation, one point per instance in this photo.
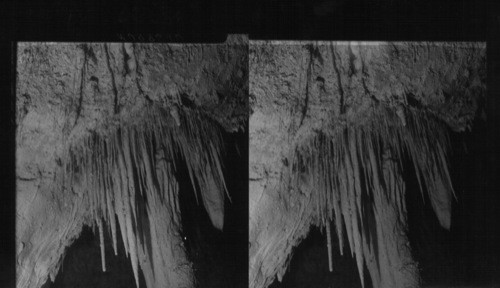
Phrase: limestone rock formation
[95,122]
[306,94]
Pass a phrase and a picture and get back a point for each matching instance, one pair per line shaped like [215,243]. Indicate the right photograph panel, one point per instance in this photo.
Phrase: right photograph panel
[368,165]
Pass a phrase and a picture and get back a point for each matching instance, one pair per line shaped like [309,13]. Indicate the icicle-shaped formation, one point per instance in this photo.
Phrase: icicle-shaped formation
[120,171]
[329,246]
[346,164]
[101,241]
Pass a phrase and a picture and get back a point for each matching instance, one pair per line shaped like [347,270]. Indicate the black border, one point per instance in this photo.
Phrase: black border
[185,21]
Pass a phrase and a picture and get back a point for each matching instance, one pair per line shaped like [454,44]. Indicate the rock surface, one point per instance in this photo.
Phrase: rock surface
[297,87]
[66,91]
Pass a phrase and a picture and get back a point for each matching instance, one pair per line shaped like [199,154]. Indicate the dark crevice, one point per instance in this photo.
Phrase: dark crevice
[309,265]
[309,72]
[468,253]
[126,57]
[82,83]
[138,71]
[413,101]
[26,179]
[339,80]
[90,52]
[352,67]
[364,75]
[220,258]
[186,101]
[115,90]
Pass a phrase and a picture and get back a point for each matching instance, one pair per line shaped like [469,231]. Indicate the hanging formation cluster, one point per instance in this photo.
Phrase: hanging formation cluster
[350,166]
[135,163]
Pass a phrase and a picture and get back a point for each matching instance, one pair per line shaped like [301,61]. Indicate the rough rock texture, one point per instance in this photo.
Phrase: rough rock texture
[67,91]
[297,88]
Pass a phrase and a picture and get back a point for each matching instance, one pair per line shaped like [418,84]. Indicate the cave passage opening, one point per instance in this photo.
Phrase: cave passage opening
[81,266]
[220,258]
[467,254]
[308,267]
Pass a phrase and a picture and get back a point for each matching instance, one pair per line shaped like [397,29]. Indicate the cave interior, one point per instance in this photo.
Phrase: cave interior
[467,255]
[218,257]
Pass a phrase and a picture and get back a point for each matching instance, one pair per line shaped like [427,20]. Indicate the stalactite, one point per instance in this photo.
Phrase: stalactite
[329,246]
[110,207]
[123,200]
[101,241]
[362,152]
[132,247]
[121,174]
[129,164]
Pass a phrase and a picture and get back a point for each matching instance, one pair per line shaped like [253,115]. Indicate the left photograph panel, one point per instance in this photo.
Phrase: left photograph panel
[132,164]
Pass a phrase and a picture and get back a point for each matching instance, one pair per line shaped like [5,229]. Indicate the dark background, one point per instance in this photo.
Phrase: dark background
[220,258]
[183,21]
[263,19]
[468,254]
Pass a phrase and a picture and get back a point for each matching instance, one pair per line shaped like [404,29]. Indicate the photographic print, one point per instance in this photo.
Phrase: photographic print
[131,164]
[368,165]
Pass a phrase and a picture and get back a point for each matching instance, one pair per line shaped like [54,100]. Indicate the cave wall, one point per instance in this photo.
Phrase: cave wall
[296,87]
[66,91]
